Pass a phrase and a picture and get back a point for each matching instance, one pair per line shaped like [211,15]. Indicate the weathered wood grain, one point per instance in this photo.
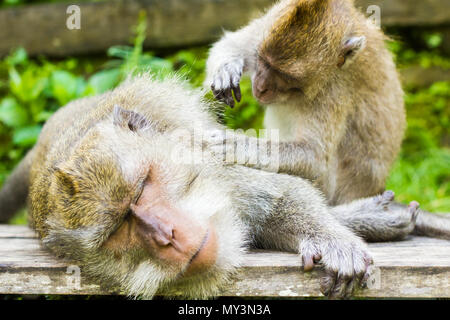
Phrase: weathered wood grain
[41,29]
[416,268]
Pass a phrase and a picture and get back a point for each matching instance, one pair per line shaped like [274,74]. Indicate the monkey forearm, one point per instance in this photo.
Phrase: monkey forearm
[241,45]
[296,158]
[301,159]
[236,48]
[288,209]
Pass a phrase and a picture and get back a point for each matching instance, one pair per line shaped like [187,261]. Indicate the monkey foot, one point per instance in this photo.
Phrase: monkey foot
[390,220]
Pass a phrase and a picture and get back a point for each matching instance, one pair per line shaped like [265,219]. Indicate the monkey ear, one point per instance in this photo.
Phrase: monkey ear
[66,182]
[350,49]
[129,119]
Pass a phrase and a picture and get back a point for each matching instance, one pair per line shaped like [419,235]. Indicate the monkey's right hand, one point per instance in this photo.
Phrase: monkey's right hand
[226,82]
[347,264]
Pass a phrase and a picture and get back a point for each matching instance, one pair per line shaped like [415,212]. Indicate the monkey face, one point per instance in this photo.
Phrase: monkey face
[270,85]
[132,215]
[306,50]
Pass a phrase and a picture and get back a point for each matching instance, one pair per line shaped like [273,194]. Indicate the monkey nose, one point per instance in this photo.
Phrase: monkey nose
[261,90]
[161,232]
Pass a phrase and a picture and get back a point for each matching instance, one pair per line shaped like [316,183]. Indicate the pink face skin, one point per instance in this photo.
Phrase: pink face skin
[270,85]
[166,233]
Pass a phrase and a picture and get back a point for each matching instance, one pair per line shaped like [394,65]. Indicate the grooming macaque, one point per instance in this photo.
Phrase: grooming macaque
[331,88]
[107,189]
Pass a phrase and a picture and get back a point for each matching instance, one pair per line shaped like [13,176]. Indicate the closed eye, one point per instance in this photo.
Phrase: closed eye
[191,182]
[140,188]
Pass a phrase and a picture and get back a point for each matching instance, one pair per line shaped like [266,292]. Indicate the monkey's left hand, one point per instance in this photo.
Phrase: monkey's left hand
[226,82]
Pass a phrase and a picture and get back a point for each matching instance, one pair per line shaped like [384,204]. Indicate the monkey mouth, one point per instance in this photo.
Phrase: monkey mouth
[200,248]
[196,261]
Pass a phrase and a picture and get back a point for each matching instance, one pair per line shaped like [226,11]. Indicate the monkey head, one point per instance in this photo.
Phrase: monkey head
[132,215]
[309,45]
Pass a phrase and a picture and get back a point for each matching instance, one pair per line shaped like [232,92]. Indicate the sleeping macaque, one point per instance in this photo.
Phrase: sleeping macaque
[108,190]
[331,88]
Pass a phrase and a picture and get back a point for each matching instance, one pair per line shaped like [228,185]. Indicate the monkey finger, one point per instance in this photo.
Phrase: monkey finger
[220,96]
[339,290]
[350,288]
[228,96]
[308,262]
[364,277]
[413,209]
[237,93]
[217,93]
[327,283]
[317,258]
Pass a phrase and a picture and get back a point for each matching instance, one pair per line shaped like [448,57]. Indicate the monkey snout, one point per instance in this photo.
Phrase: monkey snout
[262,92]
[162,233]
[260,87]
[175,238]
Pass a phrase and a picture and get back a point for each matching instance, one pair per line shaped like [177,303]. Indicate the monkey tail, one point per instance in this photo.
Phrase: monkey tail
[14,192]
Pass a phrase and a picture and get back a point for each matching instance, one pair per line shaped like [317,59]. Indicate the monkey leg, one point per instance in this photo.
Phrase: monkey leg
[379,218]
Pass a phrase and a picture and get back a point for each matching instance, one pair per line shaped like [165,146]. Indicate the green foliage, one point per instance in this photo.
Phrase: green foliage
[32,90]
[422,171]
[427,55]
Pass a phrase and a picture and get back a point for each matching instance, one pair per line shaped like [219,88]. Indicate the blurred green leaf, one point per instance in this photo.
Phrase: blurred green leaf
[65,86]
[27,136]
[12,114]
[18,56]
[103,81]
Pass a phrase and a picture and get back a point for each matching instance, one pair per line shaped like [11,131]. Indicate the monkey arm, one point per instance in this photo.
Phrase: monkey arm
[287,213]
[236,53]
[233,46]
[302,158]
[229,58]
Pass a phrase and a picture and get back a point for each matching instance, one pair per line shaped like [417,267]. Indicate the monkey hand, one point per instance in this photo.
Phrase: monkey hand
[346,263]
[226,82]
[234,148]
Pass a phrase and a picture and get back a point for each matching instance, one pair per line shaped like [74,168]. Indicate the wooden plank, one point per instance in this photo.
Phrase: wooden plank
[41,29]
[410,12]
[416,268]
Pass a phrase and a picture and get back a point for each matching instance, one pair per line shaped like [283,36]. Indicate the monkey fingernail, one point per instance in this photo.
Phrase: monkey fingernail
[237,93]
[308,263]
[413,209]
[388,195]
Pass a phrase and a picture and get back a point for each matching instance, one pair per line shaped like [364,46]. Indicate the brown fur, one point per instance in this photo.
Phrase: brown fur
[94,161]
[331,88]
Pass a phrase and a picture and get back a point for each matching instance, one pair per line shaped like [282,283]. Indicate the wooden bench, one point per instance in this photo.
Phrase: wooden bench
[415,268]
